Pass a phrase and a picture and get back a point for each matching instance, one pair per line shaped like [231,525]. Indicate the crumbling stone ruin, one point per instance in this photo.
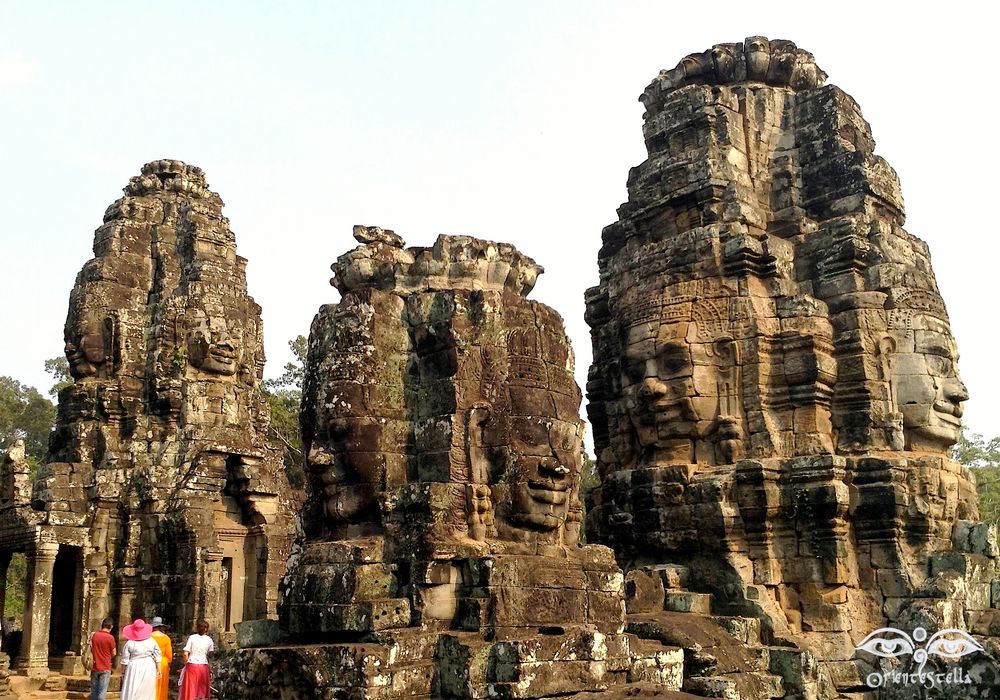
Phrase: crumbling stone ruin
[442,554]
[160,493]
[775,389]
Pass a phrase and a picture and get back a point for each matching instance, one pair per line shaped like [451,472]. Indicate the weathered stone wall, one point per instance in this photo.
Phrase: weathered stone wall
[160,483]
[775,388]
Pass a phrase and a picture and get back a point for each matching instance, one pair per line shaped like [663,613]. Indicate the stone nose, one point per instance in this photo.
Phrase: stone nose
[956,391]
[550,466]
[652,388]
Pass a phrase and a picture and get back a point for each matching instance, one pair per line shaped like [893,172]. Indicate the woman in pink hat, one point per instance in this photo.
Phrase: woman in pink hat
[141,659]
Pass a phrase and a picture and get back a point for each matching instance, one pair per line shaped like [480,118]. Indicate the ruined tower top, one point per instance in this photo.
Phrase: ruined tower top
[453,262]
[778,63]
[171,175]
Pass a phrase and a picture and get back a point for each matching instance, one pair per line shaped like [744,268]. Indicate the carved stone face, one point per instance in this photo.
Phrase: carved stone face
[926,384]
[213,351]
[544,471]
[758,57]
[658,381]
[85,355]
[349,470]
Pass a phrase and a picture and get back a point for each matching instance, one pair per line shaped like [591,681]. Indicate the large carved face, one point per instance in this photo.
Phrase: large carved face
[658,381]
[213,350]
[544,471]
[927,388]
[85,354]
[348,467]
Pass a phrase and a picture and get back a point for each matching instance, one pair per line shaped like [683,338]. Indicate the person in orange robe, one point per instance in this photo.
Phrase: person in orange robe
[163,683]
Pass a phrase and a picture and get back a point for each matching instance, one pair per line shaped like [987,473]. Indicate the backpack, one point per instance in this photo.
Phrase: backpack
[88,654]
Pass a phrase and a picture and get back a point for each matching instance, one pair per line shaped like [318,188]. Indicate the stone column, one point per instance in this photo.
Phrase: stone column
[37,609]
[4,565]
[124,590]
[211,590]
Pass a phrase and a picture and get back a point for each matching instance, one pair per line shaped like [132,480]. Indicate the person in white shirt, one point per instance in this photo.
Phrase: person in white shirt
[195,678]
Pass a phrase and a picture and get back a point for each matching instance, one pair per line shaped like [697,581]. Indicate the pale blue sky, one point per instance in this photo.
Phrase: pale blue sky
[513,121]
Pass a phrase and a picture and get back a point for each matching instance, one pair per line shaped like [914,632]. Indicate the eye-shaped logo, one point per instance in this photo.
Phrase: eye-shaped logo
[887,642]
[950,644]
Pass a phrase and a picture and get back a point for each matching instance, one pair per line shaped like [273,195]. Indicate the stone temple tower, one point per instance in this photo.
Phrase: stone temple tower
[775,388]
[161,494]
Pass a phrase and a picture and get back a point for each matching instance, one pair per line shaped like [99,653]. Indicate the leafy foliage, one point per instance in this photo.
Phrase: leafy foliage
[26,415]
[285,429]
[294,370]
[982,455]
[58,367]
[16,573]
[284,395]
[589,480]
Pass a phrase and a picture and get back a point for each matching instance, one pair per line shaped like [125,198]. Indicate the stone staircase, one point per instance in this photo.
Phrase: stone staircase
[78,688]
[724,656]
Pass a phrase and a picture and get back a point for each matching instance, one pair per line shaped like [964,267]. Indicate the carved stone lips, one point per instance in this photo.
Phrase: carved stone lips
[548,485]
[224,353]
[949,411]
[547,492]
[672,409]
[552,485]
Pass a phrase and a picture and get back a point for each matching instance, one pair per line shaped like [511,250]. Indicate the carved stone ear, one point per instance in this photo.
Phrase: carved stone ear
[886,346]
[478,415]
[726,350]
[885,350]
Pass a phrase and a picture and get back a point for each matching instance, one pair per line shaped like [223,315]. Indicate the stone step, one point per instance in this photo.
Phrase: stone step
[85,695]
[674,576]
[737,686]
[745,629]
[657,663]
[687,602]
[82,683]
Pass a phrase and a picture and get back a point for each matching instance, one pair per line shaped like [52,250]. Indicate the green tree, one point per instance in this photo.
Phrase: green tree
[25,414]
[589,480]
[284,395]
[294,370]
[16,574]
[58,367]
[983,456]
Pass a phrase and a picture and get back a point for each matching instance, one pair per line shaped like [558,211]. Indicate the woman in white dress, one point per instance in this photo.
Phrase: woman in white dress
[141,658]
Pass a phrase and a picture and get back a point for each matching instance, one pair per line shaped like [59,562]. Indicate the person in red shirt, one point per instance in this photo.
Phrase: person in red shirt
[104,648]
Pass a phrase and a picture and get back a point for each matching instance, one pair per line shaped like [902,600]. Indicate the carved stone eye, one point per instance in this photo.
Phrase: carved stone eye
[940,365]
[635,371]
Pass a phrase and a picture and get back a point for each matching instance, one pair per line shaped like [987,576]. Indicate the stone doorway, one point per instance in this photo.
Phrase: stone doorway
[239,544]
[227,593]
[67,584]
